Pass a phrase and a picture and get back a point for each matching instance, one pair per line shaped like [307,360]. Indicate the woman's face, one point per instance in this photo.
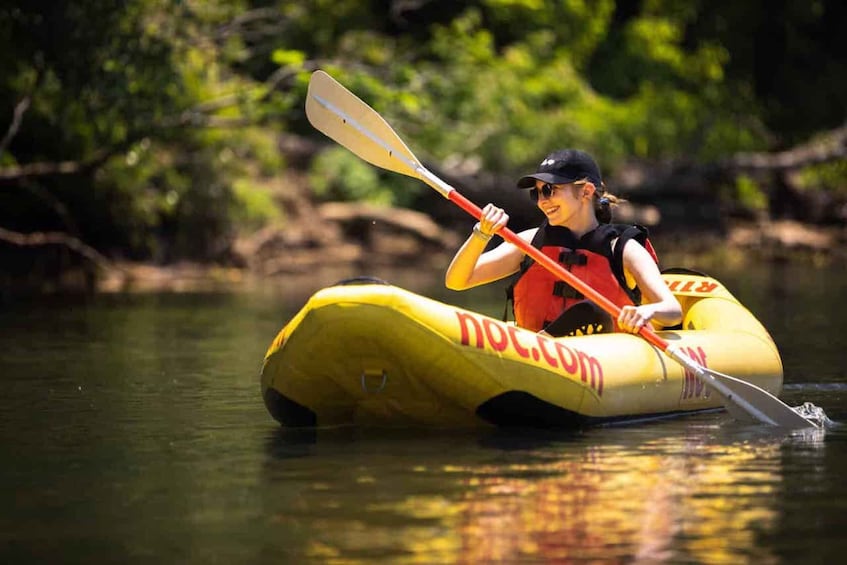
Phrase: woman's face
[562,202]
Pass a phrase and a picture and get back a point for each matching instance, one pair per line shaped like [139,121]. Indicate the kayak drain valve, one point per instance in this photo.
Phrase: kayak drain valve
[369,376]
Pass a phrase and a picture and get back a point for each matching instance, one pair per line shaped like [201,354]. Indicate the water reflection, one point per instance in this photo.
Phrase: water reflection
[133,428]
[702,492]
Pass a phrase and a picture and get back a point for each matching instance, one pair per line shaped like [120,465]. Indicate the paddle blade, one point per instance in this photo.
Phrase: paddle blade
[747,402]
[345,118]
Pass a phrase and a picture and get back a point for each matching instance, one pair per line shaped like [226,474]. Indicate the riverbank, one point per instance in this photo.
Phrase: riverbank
[394,249]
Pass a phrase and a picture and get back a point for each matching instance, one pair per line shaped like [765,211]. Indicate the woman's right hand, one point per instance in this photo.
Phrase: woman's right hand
[473,265]
[493,219]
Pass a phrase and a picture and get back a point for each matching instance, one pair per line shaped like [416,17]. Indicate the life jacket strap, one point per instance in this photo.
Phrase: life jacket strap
[570,258]
[563,289]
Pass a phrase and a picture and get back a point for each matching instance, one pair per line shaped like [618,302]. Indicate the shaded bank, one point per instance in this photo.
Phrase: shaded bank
[292,257]
[690,225]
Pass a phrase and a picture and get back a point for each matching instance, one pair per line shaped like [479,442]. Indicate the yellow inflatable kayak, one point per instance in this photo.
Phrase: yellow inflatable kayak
[376,354]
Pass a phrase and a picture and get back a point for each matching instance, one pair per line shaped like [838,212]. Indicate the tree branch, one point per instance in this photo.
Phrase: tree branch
[198,116]
[57,238]
[20,109]
[832,146]
[242,21]
[17,117]
[29,171]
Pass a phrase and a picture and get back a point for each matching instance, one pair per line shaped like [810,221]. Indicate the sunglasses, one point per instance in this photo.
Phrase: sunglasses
[546,190]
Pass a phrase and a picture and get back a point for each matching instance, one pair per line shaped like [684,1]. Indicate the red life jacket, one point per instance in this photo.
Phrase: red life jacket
[539,297]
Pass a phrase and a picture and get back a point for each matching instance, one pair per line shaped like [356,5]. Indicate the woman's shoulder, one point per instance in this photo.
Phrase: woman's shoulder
[633,238]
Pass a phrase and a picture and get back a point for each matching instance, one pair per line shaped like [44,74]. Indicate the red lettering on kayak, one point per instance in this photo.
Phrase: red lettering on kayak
[522,351]
[542,345]
[464,321]
[477,331]
[500,342]
[692,387]
[705,287]
[571,366]
[589,365]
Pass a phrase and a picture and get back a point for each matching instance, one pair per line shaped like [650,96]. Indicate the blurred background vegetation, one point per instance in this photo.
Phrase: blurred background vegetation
[164,131]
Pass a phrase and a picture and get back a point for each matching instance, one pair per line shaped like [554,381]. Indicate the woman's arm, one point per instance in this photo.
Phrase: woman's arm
[471,267]
[659,304]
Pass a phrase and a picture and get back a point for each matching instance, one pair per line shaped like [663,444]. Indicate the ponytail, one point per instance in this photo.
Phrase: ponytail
[603,203]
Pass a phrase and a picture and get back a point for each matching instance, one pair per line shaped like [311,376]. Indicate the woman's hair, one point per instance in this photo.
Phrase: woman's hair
[603,203]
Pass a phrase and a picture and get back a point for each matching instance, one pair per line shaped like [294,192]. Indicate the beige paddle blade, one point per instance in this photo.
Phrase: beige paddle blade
[345,118]
[749,403]
[744,401]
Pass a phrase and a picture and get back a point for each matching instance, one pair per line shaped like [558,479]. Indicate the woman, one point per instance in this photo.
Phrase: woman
[616,260]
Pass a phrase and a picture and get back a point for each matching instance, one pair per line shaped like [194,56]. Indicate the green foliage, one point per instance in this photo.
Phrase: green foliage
[255,206]
[338,175]
[503,82]
[143,81]
[173,109]
[789,54]
[830,177]
[749,194]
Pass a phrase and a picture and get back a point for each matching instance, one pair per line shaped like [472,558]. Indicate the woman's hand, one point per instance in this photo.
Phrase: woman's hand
[633,318]
[493,219]
[473,265]
[659,303]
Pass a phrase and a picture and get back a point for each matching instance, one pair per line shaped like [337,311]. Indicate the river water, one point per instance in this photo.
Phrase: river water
[133,431]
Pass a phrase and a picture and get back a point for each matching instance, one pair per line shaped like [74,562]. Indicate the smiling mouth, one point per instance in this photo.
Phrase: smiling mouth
[551,210]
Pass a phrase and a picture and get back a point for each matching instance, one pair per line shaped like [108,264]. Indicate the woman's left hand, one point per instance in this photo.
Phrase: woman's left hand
[633,318]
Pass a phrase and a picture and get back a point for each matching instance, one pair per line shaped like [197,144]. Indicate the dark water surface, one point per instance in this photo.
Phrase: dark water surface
[133,431]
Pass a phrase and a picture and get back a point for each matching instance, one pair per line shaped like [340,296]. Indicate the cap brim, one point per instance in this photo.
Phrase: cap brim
[529,180]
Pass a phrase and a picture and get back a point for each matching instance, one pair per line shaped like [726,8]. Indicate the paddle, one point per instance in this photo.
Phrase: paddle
[343,117]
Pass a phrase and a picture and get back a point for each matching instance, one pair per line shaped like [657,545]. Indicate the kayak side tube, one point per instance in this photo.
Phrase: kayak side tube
[378,354]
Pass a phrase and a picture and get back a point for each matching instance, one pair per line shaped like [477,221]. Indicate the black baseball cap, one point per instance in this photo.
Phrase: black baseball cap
[564,166]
